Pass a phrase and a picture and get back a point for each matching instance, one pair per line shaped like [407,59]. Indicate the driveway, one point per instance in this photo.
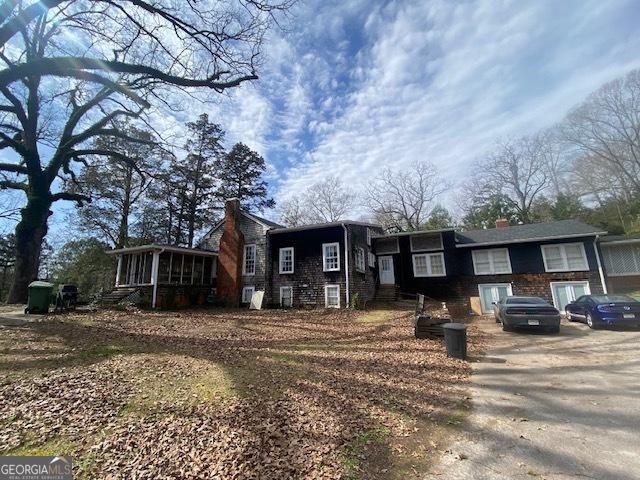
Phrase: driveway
[551,406]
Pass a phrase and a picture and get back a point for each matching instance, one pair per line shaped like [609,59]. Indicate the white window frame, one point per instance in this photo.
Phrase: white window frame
[491,262]
[368,236]
[244,259]
[441,247]
[563,254]
[326,296]
[569,282]
[282,289]
[280,260]
[248,288]
[429,272]
[324,256]
[372,260]
[360,260]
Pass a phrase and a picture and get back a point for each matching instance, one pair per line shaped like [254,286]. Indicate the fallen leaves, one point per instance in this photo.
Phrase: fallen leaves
[223,394]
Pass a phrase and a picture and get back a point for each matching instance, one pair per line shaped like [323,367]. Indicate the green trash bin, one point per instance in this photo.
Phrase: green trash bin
[39,297]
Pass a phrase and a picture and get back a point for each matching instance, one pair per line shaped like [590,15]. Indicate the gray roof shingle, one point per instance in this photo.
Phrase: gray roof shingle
[528,232]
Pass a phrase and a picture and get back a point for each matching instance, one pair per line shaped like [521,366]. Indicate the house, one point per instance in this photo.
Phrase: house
[341,263]
[322,265]
[470,270]
[621,258]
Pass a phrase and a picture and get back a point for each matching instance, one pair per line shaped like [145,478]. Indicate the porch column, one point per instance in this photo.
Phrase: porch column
[118,270]
[154,277]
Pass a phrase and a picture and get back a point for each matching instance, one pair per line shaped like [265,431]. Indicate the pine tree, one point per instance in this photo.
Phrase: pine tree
[240,174]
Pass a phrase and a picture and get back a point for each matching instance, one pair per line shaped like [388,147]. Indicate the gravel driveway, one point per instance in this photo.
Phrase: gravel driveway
[551,406]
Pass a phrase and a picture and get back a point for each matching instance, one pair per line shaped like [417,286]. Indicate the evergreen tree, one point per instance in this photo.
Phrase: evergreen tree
[240,174]
[438,218]
[484,213]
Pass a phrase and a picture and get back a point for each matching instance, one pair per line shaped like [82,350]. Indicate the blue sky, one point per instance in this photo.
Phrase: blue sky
[354,86]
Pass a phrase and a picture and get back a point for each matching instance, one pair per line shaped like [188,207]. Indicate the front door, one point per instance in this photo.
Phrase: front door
[492,293]
[566,292]
[387,276]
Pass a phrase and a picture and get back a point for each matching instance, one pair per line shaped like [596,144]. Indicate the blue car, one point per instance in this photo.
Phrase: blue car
[605,311]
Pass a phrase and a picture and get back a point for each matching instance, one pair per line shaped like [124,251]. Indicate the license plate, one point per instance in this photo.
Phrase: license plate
[533,322]
[628,315]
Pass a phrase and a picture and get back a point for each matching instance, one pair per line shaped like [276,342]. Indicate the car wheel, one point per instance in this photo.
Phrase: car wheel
[590,321]
[554,330]
[569,316]
[506,328]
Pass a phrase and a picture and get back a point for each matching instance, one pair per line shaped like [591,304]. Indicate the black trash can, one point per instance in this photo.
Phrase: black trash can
[455,337]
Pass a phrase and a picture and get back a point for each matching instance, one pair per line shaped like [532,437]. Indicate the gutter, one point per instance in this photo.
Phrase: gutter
[528,240]
[346,264]
[600,270]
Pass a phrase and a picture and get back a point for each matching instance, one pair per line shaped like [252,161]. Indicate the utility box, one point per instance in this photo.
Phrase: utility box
[39,297]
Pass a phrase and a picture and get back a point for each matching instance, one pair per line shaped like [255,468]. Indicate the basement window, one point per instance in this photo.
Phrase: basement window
[247,294]
[286,296]
[332,296]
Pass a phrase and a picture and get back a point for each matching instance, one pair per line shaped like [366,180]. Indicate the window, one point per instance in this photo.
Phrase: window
[425,242]
[249,264]
[491,262]
[247,293]
[286,260]
[368,236]
[286,296]
[564,257]
[386,246]
[360,266]
[429,265]
[330,257]
[332,296]
[372,260]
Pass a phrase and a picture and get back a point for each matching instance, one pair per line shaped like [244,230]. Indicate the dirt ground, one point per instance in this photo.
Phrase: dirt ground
[230,394]
[551,407]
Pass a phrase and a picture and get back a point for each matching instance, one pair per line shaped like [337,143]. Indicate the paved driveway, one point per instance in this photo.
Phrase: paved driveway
[552,406]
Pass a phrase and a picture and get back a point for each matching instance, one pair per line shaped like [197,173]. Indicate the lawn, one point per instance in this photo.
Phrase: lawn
[229,394]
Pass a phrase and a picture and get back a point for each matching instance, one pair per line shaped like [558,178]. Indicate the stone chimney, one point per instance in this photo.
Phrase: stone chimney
[502,223]
[231,255]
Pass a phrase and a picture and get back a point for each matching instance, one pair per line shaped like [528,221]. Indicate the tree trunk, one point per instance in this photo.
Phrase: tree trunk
[30,233]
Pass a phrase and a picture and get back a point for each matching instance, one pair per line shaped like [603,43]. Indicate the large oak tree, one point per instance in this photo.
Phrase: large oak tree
[72,69]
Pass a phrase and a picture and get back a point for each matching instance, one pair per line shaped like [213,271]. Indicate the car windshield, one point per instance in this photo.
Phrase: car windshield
[525,301]
[613,298]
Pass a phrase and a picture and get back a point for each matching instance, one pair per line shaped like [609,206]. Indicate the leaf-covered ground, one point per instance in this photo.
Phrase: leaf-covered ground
[229,394]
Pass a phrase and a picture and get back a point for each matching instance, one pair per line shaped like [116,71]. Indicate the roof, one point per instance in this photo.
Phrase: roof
[315,226]
[616,239]
[416,232]
[527,233]
[152,247]
[267,223]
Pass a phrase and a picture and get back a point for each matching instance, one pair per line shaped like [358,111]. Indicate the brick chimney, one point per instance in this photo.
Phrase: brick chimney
[231,255]
[502,223]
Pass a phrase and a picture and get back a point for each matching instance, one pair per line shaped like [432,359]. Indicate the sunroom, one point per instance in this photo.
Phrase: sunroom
[166,275]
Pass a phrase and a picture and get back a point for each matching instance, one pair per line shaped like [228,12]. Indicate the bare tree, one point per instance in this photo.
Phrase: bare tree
[326,201]
[402,200]
[517,170]
[605,129]
[72,69]
[292,212]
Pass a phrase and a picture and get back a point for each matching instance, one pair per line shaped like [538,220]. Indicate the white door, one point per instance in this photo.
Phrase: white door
[566,292]
[387,276]
[491,293]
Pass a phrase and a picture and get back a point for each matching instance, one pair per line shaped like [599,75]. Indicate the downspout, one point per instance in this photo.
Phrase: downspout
[600,270]
[346,264]
[155,266]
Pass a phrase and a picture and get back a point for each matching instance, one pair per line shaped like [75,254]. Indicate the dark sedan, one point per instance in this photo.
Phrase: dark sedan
[526,312]
[605,311]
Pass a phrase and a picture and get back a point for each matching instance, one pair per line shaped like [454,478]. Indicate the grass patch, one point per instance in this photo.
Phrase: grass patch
[459,414]
[376,317]
[32,447]
[352,455]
